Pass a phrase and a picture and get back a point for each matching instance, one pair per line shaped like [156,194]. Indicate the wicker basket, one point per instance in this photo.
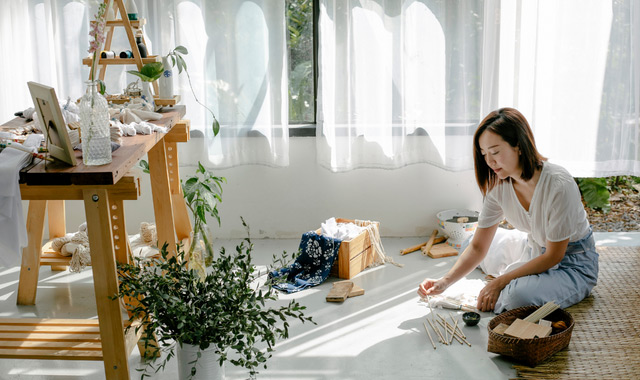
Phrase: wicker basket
[529,351]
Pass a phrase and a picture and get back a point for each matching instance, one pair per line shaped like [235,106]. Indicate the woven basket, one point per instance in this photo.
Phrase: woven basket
[529,351]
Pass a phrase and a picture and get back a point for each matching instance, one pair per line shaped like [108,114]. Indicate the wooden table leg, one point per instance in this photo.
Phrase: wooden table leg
[57,225]
[161,190]
[182,223]
[28,284]
[105,279]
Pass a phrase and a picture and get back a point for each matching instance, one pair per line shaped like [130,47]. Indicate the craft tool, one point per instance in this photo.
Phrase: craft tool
[428,333]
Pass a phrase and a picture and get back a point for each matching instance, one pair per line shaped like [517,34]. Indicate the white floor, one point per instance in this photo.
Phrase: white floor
[375,336]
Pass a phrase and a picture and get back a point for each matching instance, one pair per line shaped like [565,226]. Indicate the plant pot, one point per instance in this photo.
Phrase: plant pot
[207,366]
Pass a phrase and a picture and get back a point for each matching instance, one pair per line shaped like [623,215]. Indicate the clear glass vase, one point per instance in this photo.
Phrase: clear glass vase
[94,127]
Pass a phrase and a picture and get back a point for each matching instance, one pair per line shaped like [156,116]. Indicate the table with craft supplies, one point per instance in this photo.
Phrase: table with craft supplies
[103,189]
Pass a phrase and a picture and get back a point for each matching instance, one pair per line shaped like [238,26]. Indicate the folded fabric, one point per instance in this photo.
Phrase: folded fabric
[13,231]
[312,266]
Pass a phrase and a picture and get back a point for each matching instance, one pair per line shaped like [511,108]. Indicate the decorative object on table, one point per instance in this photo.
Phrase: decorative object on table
[94,109]
[177,59]
[456,227]
[132,10]
[150,72]
[53,126]
[221,313]
[133,90]
[142,48]
[528,351]
[165,82]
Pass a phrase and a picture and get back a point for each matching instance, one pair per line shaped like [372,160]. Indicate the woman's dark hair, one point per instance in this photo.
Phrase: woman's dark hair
[512,126]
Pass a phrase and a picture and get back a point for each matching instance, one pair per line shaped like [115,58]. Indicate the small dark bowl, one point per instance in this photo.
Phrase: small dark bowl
[471,318]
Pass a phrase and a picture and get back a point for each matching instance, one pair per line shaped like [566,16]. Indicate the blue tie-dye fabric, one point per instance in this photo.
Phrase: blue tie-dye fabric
[312,266]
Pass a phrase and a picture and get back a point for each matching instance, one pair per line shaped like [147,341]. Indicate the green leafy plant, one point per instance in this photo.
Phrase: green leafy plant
[224,311]
[177,60]
[149,72]
[202,193]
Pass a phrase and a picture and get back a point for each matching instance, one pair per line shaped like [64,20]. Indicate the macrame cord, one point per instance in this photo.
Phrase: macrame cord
[380,255]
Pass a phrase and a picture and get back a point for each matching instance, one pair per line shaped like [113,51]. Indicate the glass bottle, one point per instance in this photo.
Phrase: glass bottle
[95,130]
[142,48]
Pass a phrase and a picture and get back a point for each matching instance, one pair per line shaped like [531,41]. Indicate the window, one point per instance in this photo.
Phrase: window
[300,28]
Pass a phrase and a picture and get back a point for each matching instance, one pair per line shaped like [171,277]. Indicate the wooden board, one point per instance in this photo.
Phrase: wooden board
[500,329]
[527,330]
[340,291]
[356,291]
[442,250]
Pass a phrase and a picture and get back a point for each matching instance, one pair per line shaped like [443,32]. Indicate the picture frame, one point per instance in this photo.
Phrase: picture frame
[53,125]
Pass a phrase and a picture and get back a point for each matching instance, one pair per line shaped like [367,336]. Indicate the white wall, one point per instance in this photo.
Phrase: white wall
[286,202]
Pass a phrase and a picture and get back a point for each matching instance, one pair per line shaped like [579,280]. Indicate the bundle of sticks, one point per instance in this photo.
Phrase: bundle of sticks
[451,331]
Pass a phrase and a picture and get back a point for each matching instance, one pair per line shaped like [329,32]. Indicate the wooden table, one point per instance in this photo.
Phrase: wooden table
[103,190]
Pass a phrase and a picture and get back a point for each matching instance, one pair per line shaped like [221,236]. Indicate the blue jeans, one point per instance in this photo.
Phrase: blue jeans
[566,285]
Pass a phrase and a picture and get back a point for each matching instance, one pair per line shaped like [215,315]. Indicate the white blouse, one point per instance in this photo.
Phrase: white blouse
[556,212]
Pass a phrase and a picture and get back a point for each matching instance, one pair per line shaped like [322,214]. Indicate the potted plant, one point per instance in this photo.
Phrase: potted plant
[192,311]
[149,73]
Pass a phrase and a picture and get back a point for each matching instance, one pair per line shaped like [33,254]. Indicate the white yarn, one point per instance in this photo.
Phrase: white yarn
[380,255]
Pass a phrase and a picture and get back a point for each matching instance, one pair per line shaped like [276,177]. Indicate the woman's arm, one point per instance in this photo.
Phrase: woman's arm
[468,261]
[553,255]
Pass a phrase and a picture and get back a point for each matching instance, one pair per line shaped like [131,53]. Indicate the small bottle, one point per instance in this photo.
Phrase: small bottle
[132,10]
[142,48]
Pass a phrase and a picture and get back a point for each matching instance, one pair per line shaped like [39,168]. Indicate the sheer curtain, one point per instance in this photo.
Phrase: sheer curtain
[236,62]
[399,82]
[573,69]
[403,82]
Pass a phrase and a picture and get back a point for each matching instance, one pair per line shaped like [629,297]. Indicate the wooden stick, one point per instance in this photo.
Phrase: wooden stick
[412,249]
[453,333]
[429,244]
[428,333]
[461,333]
[542,312]
[437,332]
[446,325]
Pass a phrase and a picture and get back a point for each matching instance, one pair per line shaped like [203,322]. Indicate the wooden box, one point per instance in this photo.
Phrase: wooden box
[354,255]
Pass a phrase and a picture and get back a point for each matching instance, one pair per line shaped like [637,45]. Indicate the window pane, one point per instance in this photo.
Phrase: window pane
[300,26]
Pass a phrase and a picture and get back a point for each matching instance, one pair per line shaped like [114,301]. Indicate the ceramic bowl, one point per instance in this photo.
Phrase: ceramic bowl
[471,318]
[456,232]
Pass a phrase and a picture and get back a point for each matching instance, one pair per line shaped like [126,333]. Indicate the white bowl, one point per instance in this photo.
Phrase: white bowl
[457,233]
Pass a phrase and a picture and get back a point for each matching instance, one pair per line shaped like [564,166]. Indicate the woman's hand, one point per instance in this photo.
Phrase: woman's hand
[432,287]
[489,295]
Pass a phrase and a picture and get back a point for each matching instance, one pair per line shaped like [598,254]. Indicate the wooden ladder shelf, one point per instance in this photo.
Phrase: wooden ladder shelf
[129,26]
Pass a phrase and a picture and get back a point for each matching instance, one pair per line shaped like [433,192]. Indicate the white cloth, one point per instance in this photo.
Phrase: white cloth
[13,230]
[556,212]
[508,251]
[342,231]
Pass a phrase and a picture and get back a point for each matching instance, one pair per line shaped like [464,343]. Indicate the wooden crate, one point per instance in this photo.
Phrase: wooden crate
[354,255]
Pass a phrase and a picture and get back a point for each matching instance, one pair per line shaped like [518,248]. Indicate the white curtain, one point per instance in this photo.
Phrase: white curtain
[403,82]
[399,82]
[236,61]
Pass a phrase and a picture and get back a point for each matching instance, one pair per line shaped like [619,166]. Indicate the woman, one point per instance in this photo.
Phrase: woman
[558,261]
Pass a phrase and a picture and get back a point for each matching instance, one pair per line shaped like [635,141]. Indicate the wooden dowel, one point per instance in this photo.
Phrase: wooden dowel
[413,249]
[437,332]
[428,333]
[427,246]
[455,336]
[447,325]
[453,333]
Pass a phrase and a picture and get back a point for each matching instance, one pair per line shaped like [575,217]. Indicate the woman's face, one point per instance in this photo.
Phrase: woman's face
[501,157]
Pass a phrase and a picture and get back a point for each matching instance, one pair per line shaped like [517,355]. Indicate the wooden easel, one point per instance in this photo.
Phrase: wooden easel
[129,26]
